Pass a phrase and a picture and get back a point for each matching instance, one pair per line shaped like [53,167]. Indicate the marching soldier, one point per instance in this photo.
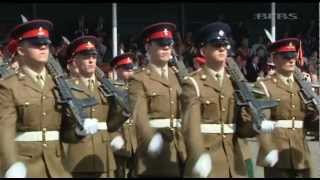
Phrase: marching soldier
[285,152]
[91,156]
[30,114]
[154,97]
[210,114]
[123,65]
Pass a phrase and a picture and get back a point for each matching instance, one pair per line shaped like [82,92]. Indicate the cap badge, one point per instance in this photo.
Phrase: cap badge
[165,32]
[90,45]
[40,31]
[221,33]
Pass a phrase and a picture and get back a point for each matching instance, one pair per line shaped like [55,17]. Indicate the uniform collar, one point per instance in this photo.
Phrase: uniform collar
[285,78]
[213,73]
[158,69]
[86,80]
[34,74]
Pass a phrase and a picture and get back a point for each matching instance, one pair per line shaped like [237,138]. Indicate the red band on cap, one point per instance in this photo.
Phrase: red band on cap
[160,34]
[287,48]
[84,46]
[35,33]
[124,61]
[200,60]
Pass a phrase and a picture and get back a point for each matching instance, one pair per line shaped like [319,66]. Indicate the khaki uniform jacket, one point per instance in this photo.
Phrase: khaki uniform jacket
[293,149]
[93,153]
[151,97]
[127,130]
[211,104]
[24,107]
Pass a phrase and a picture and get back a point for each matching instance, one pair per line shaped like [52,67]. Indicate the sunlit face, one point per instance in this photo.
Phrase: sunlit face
[215,52]
[159,52]
[86,64]
[285,64]
[37,53]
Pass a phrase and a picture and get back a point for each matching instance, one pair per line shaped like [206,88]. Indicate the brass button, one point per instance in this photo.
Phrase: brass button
[172,115]
[170,89]
[223,109]
[293,118]
[207,102]
[222,96]
[224,136]
[44,114]
[26,103]
[153,94]
[43,97]
[44,144]
[293,106]
[172,102]
[293,129]
[93,110]
[291,94]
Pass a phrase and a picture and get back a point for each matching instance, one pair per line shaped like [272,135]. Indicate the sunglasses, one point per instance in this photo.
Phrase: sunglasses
[218,44]
[164,42]
[287,55]
[39,42]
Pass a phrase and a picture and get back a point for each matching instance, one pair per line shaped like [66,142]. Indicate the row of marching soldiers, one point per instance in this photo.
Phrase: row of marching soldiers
[189,127]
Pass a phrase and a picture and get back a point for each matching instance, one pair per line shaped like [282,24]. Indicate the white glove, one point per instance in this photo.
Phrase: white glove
[272,157]
[267,126]
[117,143]
[203,165]
[90,126]
[155,145]
[16,170]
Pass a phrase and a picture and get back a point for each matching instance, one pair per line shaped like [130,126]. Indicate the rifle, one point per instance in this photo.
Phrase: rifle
[306,93]
[178,66]
[75,105]
[108,89]
[245,97]
[6,70]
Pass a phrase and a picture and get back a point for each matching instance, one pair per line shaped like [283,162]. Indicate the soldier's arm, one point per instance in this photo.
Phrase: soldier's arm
[139,105]
[116,116]
[265,139]
[191,116]
[8,118]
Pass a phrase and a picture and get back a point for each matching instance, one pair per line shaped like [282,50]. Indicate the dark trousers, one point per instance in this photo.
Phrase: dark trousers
[286,173]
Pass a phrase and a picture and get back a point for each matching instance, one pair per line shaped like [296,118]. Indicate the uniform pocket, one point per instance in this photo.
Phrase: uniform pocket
[209,109]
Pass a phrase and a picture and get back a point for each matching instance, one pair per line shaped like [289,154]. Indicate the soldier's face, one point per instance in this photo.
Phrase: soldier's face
[86,64]
[124,74]
[284,64]
[159,53]
[215,53]
[38,53]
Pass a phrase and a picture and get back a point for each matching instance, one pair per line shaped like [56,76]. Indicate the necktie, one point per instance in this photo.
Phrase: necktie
[289,83]
[90,84]
[163,74]
[40,80]
[218,77]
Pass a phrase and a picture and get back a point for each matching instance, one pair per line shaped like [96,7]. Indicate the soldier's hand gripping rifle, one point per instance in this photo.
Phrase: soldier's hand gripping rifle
[245,97]
[75,105]
[178,66]
[108,89]
[308,96]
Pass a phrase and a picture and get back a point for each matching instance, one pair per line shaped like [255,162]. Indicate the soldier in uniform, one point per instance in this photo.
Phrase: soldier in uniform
[154,98]
[123,65]
[30,115]
[91,156]
[210,114]
[285,152]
